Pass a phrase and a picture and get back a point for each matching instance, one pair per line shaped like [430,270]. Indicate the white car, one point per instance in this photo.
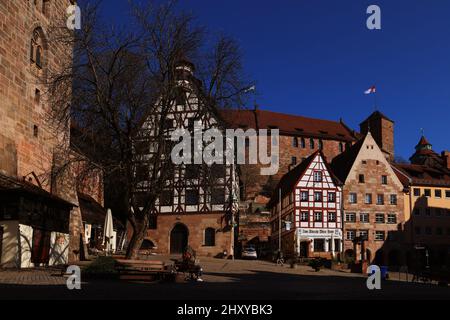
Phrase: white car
[249,252]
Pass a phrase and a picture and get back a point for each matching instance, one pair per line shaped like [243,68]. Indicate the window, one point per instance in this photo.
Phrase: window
[317,196]
[192,197]
[427,193]
[379,235]
[318,217]
[319,245]
[350,235]
[295,142]
[293,161]
[350,217]
[331,216]
[303,143]
[35,131]
[363,234]
[46,8]
[361,178]
[317,176]
[364,217]
[392,218]
[438,193]
[353,198]
[166,198]
[428,231]
[304,196]
[320,144]
[191,171]
[416,192]
[36,49]
[218,196]
[331,196]
[393,199]
[380,199]
[153,222]
[37,96]
[210,237]
[384,180]
[379,218]
[368,198]
[447,193]
[311,143]
[304,216]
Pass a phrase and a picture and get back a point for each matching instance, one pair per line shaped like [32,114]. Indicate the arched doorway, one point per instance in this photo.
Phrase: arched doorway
[178,238]
[147,244]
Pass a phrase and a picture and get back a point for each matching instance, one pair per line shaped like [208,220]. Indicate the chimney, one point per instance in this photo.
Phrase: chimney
[446,158]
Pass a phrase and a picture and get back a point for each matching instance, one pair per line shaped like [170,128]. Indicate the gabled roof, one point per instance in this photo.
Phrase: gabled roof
[342,163]
[287,124]
[290,179]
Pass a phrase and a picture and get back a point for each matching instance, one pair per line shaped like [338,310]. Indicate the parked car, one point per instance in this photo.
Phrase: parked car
[249,252]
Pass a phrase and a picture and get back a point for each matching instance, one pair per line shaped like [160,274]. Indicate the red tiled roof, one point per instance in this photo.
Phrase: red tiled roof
[423,175]
[423,141]
[288,124]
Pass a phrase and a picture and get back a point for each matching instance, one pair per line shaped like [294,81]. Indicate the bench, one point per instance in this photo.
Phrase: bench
[147,270]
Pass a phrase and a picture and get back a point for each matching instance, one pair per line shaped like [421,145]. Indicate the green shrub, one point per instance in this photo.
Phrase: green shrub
[101,266]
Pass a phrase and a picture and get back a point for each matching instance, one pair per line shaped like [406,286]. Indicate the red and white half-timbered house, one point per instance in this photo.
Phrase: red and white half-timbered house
[311,220]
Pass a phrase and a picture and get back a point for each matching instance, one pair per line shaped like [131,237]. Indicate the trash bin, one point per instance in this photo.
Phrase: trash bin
[384,272]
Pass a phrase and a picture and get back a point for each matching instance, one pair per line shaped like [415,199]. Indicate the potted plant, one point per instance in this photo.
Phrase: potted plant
[316,264]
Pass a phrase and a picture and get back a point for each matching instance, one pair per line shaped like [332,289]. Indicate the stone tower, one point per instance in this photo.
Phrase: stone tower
[28,140]
[382,130]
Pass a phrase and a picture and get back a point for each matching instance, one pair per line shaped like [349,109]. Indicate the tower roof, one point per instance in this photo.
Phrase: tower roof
[376,115]
[423,142]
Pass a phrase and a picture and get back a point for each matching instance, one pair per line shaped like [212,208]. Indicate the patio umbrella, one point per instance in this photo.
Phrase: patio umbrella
[108,231]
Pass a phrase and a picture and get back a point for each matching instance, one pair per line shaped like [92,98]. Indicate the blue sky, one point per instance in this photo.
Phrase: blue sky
[316,58]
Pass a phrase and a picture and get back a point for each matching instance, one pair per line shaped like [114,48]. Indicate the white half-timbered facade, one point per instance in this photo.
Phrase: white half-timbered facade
[310,210]
[195,206]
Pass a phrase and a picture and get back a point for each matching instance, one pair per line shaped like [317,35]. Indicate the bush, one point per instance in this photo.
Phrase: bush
[102,267]
[316,264]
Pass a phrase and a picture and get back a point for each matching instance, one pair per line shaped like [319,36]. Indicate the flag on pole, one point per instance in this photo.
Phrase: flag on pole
[371,90]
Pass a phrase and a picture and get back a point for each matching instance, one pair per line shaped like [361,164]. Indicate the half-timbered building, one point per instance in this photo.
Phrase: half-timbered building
[195,206]
[310,210]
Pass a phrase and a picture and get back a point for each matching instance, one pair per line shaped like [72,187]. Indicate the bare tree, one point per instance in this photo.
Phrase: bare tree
[121,76]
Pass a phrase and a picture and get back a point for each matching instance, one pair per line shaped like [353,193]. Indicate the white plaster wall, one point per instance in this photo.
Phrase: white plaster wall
[10,246]
[59,248]
[26,245]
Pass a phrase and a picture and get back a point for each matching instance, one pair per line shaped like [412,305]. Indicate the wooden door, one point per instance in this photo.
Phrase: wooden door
[40,253]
